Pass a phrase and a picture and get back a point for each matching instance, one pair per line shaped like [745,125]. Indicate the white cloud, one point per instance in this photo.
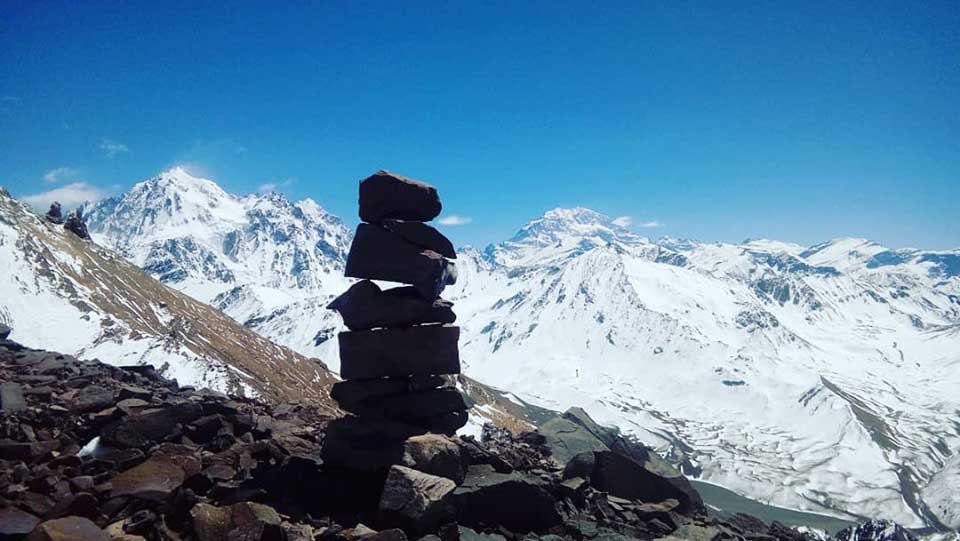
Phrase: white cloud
[622,221]
[650,225]
[453,219]
[70,196]
[274,186]
[59,174]
[111,148]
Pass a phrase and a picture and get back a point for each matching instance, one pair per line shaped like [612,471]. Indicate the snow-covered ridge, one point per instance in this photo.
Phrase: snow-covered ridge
[63,293]
[821,378]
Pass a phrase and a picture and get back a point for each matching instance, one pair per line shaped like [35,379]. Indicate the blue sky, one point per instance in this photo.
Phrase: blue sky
[710,120]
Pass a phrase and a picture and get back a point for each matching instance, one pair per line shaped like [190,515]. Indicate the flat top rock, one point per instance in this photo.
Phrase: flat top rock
[386,195]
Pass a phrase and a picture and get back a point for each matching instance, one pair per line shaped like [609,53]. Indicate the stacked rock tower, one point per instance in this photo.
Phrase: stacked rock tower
[401,342]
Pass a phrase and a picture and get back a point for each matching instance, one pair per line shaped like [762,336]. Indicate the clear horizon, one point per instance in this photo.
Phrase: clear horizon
[799,123]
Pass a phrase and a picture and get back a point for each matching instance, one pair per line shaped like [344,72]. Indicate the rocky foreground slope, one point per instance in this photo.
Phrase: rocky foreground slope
[93,452]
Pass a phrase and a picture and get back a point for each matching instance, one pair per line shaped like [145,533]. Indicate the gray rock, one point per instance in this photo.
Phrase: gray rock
[156,478]
[150,426]
[68,529]
[92,398]
[417,501]
[378,254]
[624,477]
[11,397]
[516,501]
[567,439]
[422,235]
[15,523]
[385,195]
[436,455]
[413,351]
[365,306]
[468,534]
[5,331]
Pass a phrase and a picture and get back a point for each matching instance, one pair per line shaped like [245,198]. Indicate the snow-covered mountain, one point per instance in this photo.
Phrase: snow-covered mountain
[260,259]
[60,292]
[821,378]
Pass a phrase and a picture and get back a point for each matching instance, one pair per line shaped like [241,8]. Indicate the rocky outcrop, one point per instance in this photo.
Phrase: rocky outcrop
[163,462]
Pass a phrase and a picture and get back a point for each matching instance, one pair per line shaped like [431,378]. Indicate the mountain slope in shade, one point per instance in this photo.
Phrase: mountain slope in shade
[818,378]
[60,292]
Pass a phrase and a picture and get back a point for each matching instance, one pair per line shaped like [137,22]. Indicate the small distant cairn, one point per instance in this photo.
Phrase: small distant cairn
[55,214]
[400,342]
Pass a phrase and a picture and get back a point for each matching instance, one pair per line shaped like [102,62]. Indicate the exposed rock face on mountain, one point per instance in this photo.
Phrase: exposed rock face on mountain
[58,290]
[811,367]
[154,461]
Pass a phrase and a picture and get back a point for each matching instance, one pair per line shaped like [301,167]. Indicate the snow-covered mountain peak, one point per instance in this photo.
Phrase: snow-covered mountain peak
[842,253]
[188,230]
[563,232]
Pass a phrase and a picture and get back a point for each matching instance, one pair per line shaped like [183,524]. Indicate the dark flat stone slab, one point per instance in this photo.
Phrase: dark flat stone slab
[385,195]
[365,306]
[410,351]
[411,407]
[422,235]
[351,393]
[378,254]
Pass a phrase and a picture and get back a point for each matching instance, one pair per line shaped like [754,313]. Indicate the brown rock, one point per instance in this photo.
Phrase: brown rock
[386,195]
[417,351]
[244,521]
[68,529]
[378,254]
[436,455]
[156,478]
[365,306]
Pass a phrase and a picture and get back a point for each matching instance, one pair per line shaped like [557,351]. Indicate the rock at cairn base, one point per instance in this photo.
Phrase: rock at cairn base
[378,254]
[410,351]
[386,195]
[365,306]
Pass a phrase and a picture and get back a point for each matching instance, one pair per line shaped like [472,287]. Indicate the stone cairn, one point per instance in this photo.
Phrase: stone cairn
[401,342]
